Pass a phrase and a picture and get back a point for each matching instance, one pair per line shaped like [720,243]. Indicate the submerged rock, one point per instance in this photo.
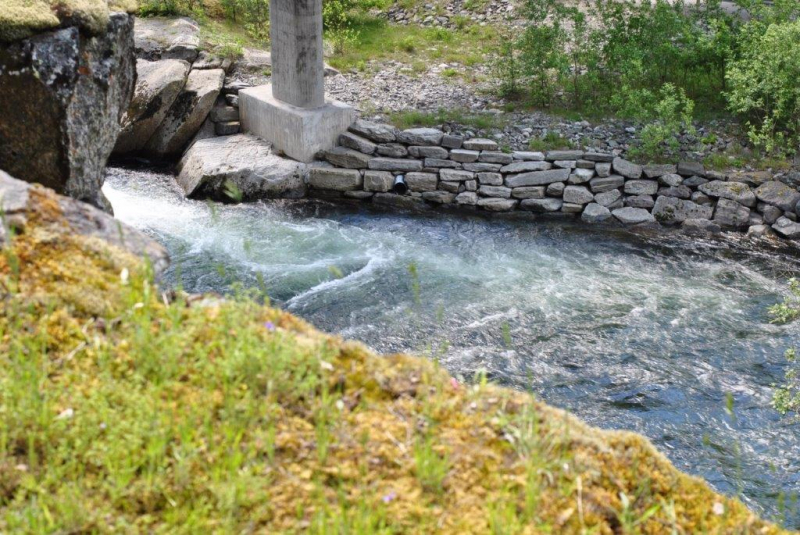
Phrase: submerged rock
[63,94]
[243,163]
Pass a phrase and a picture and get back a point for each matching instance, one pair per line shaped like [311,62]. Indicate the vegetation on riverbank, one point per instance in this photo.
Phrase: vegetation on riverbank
[123,409]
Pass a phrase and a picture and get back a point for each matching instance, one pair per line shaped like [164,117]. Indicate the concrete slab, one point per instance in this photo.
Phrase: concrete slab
[300,133]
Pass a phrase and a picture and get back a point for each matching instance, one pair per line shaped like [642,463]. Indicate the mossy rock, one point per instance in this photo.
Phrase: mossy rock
[23,18]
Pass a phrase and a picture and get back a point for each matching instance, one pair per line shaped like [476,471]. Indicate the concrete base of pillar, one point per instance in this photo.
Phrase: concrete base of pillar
[300,133]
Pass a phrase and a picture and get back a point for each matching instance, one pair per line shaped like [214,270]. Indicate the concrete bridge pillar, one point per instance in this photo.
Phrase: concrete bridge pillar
[292,112]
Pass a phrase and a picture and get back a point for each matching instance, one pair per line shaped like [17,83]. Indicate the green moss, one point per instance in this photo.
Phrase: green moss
[125,410]
[23,18]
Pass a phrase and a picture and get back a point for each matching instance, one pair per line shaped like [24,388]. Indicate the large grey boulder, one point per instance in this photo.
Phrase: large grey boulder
[670,210]
[420,136]
[633,216]
[153,36]
[187,113]
[158,84]
[63,93]
[595,213]
[627,169]
[787,228]
[734,191]
[731,214]
[74,217]
[778,194]
[242,163]
[379,133]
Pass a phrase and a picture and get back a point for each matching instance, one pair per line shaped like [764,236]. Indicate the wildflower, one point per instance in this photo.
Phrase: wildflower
[389,497]
[454,383]
[269,326]
[718,509]
[66,414]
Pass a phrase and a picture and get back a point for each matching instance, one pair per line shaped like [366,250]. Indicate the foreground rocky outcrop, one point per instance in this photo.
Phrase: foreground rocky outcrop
[143,409]
[63,94]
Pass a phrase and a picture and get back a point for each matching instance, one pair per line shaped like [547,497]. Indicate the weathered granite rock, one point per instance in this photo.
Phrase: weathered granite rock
[694,181]
[671,179]
[778,194]
[577,195]
[633,216]
[420,136]
[572,208]
[439,197]
[691,168]
[550,204]
[581,176]
[452,142]
[247,162]
[669,210]
[600,157]
[452,187]
[335,179]
[595,213]
[456,175]
[659,170]
[356,142]
[640,201]
[480,144]
[627,169]
[681,192]
[556,189]
[529,192]
[495,191]
[467,198]
[380,181]
[770,213]
[701,226]
[227,128]
[481,167]
[404,202]
[428,152]
[187,113]
[421,181]
[347,158]
[78,218]
[490,179]
[490,156]
[464,156]
[379,133]
[493,204]
[154,36]
[392,150]
[603,170]
[527,156]
[734,191]
[537,178]
[758,231]
[787,228]
[641,187]
[608,198]
[63,94]
[554,155]
[600,185]
[157,86]
[393,164]
[526,167]
[731,214]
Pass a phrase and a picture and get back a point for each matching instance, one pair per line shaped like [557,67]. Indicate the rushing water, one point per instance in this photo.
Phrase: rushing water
[649,334]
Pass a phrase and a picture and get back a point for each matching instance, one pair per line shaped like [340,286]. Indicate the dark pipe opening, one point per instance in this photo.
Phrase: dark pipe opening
[400,187]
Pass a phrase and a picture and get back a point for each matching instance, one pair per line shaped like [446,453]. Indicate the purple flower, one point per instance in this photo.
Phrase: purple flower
[269,326]
[389,497]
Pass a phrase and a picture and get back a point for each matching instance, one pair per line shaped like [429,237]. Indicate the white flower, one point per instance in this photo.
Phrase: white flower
[718,509]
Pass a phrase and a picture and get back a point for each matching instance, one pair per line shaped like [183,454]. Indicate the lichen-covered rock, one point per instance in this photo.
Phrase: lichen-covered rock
[633,216]
[670,210]
[21,203]
[158,84]
[778,194]
[787,228]
[734,191]
[63,93]
[187,113]
[731,214]
[242,165]
[376,132]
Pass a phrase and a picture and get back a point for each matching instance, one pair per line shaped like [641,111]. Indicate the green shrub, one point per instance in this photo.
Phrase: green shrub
[764,86]
[673,115]
[786,397]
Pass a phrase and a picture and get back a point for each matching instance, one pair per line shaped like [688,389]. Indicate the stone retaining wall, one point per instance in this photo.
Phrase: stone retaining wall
[472,174]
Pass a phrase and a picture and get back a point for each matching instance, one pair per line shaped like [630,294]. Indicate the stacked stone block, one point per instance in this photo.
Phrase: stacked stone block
[442,169]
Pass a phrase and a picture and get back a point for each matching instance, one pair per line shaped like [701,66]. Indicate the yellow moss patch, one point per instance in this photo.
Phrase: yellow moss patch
[124,410]
[23,18]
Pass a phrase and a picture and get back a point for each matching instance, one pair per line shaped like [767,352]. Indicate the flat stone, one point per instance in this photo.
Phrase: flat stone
[681,192]
[395,164]
[358,194]
[585,164]
[464,156]
[356,142]
[691,168]
[376,132]
[565,164]
[529,192]
[379,181]
[735,191]
[444,164]
[392,150]
[495,157]
[778,194]
[439,197]
[658,170]
[471,185]
[729,213]
[490,179]
[599,185]
[495,191]
[701,198]
[578,195]
[759,231]
[227,128]
[640,201]
[633,216]
[787,228]
[537,178]
[594,213]
[770,213]
[467,198]
[456,175]
[669,210]
[571,208]
[694,181]
[627,169]
[404,202]
[541,205]
[526,167]
[421,181]
[497,205]
[481,167]
[223,114]
[452,142]
[528,156]
[554,155]
[452,187]
[480,144]
[598,157]
[420,136]
[641,187]
[347,158]
[249,163]
[428,152]
[335,179]
[608,198]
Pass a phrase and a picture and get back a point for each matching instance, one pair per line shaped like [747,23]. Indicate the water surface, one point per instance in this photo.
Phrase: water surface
[647,333]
